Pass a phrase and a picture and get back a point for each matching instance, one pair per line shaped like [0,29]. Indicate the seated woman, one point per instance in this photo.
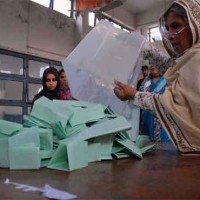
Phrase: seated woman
[51,85]
[178,108]
[65,93]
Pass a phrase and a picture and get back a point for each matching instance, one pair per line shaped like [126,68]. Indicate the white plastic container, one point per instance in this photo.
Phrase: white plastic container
[104,55]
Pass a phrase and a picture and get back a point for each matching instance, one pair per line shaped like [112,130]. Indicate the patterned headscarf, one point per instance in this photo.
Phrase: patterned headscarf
[178,107]
[192,15]
[192,9]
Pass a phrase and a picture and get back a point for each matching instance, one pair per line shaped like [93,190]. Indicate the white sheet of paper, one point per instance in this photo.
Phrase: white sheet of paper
[46,191]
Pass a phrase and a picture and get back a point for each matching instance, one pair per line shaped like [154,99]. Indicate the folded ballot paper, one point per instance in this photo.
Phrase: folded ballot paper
[7,129]
[104,55]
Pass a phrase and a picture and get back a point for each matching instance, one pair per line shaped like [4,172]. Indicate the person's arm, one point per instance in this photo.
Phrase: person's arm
[143,100]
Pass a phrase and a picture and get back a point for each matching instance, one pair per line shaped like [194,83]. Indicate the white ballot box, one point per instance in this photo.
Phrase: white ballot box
[106,54]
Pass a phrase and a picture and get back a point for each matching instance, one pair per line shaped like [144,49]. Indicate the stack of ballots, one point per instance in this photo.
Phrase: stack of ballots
[67,135]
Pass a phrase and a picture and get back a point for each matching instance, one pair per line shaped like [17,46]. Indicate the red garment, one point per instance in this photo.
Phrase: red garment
[81,5]
[66,95]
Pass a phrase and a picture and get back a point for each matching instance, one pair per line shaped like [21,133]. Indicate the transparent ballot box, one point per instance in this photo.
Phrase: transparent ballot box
[106,54]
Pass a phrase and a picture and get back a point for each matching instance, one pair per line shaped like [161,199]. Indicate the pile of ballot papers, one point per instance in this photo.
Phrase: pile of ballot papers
[67,135]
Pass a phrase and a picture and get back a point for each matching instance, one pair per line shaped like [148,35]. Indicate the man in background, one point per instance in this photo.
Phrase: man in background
[145,73]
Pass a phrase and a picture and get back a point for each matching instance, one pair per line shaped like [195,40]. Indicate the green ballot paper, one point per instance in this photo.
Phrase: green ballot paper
[70,156]
[24,149]
[9,128]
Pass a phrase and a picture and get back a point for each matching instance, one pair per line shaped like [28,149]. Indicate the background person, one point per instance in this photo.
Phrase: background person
[51,85]
[65,93]
[150,125]
[145,73]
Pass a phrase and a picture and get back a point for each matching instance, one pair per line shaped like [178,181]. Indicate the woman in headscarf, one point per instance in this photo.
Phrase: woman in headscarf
[51,85]
[150,124]
[178,108]
[65,92]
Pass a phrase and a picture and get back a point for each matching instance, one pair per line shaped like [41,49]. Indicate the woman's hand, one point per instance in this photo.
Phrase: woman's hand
[123,91]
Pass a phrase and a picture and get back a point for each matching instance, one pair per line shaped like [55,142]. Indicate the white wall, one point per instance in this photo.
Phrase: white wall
[152,15]
[30,28]
[124,15]
[151,18]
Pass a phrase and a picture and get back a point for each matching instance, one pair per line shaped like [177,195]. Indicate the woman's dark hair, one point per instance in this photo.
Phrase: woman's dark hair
[53,71]
[61,71]
[144,67]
